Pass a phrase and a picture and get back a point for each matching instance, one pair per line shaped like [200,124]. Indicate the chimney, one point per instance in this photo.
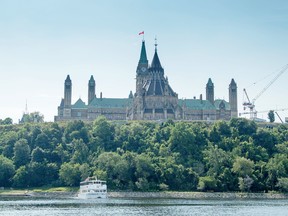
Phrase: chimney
[100,95]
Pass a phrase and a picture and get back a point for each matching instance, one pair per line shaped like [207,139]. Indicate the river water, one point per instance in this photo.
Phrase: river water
[18,206]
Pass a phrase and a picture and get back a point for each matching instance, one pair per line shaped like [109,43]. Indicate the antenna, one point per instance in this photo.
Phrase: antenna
[156,43]
[26,108]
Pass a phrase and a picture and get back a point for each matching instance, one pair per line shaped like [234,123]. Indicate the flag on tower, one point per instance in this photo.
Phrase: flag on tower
[141,32]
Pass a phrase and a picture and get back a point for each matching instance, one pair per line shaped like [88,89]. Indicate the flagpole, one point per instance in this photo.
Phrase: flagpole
[142,33]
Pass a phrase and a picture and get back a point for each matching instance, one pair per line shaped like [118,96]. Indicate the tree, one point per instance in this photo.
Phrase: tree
[116,168]
[243,126]
[80,151]
[245,183]
[277,167]
[21,153]
[7,171]
[38,155]
[34,117]
[70,174]
[6,121]
[271,116]
[216,160]
[103,132]
[76,130]
[207,183]
[282,184]
[22,177]
[243,167]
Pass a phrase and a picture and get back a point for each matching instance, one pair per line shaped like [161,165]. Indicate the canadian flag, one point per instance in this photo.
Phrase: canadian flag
[141,32]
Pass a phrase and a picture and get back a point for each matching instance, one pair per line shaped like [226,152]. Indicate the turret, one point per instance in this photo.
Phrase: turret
[143,61]
[67,92]
[91,89]
[142,70]
[156,65]
[233,98]
[210,91]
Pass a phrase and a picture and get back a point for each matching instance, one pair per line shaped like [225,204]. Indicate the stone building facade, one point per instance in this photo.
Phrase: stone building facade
[154,99]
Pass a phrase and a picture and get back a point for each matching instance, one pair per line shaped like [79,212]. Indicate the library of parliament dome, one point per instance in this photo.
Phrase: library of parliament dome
[154,99]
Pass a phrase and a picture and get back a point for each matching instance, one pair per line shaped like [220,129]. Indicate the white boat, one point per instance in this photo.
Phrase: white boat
[92,188]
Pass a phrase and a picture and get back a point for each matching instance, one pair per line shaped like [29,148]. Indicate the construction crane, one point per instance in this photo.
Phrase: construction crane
[251,104]
[265,111]
[279,117]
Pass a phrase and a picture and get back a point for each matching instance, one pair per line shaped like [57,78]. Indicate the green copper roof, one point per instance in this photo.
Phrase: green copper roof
[110,102]
[79,104]
[218,102]
[143,56]
[196,104]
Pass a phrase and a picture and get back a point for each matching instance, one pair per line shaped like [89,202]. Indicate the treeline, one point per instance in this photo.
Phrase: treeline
[237,155]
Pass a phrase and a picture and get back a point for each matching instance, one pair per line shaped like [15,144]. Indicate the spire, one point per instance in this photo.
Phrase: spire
[67,92]
[92,81]
[156,62]
[233,98]
[210,91]
[233,83]
[91,89]
[68,79]
[143,57]
[210,83]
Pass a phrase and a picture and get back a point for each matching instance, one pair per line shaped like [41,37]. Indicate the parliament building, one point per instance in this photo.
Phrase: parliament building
[154,99]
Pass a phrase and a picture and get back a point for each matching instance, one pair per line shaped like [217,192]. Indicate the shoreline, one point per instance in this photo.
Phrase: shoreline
[154,195]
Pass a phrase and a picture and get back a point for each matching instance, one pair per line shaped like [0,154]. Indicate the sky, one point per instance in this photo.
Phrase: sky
[41,42]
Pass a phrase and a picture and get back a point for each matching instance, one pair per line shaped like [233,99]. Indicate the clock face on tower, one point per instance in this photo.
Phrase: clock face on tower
[143,69]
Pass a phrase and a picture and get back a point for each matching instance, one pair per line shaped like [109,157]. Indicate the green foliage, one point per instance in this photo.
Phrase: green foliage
[243,167]
[282,184]
[207,183]
[21,153]
[145,156]
[7,171]
[245,183]
[70,174]
[271,116]
[6,121]
[34,117]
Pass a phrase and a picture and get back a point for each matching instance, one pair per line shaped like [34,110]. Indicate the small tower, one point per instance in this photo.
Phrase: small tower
[67,92]
[233,98]
[142,70]
[156,65]
[210,91]
[91,89]
[141,77]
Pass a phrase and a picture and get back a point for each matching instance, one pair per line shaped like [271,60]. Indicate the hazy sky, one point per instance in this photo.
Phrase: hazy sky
[41,42]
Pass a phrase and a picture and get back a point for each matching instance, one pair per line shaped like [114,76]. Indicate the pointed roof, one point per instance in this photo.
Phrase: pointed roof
[92,80]
[62,103]
[233,82]
[79,104]
[130,95]
[68,79]
[156,65]
[143,57]
[210,83]
[221,104]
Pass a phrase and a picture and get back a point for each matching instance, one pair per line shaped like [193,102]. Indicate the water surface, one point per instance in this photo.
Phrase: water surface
[18,206]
